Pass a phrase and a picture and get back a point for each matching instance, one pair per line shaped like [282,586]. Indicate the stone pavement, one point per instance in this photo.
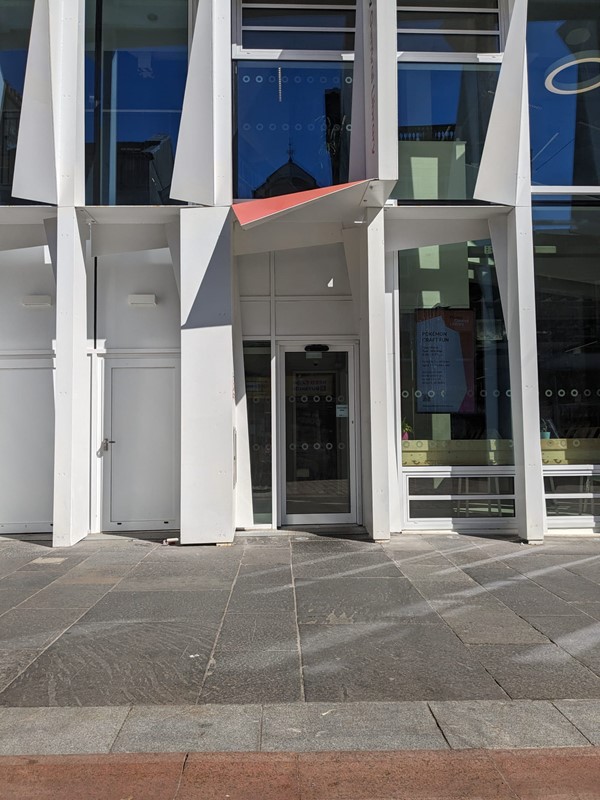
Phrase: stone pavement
[299,642]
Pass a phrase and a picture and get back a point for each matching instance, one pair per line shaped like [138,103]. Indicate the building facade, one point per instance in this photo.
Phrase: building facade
[267,264]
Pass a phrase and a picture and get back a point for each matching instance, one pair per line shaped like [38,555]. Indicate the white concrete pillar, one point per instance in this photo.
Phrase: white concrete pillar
[71,383]
[373,384]
[512,242]
[207,377]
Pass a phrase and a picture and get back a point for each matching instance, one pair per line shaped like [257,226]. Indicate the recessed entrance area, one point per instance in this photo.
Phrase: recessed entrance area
[317,435]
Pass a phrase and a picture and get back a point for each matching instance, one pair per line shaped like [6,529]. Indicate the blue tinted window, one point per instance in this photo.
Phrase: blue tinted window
[292,126]
[14,42]
[443,116]
[136,66]
[563,40]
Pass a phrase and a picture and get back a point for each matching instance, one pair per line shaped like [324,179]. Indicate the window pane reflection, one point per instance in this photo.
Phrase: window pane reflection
[136,65]
[293,127]
[456,407]
[563,40]
[443,116]
[567,242]
[14,43]
[257,371]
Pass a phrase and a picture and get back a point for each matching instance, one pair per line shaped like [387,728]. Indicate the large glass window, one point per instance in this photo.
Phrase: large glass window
[257,370]
[563,41]
[456,407]
[567,244]
[15,27]
[292,126]
[443,116]
[136,66]
[449,26]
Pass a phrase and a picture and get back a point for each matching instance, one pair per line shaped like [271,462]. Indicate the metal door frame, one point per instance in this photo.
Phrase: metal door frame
[354,516]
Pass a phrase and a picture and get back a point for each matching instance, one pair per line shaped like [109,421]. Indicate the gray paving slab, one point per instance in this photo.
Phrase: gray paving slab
[349,600]
[585,715]
[174,583]
[26,581]
[209,569]
[266,556]
[254,593]
[253,676]
[565,584]
[71,596]
[100,664]
[590,609]
[259,632]
[148,606]
[446,574]
[578,635]
[369,564]
[13,662]
[390,660]
[481,624]
[60,731]
[10,598]
[590,571]
[82,574]
[310,727]
[537,672]
[34,629]
[180,729]
[505,724]
[527,599]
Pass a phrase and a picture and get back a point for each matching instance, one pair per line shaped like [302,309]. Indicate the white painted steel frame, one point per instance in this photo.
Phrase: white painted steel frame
[354,516]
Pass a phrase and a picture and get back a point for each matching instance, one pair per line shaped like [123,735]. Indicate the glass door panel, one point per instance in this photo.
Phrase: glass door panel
[319,448]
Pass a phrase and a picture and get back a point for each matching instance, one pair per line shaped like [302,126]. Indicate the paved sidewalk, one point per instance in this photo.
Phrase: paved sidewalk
[297,642]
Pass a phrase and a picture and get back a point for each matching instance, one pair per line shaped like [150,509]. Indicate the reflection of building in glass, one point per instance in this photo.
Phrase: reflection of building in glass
[289,178]
[10,112]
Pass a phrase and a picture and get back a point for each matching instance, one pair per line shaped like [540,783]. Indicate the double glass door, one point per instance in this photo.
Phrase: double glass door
[318,436]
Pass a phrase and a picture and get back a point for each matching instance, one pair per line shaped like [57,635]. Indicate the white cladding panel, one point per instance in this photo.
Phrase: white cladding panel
[254,275]
[256,317]
[26,445]
[22,273]
[125,326]
[312,271]
[144,424]
[315,318]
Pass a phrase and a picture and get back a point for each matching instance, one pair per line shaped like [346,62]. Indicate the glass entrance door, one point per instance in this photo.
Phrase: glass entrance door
[318,468]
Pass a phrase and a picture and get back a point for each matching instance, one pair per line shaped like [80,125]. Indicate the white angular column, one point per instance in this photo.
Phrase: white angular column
[512,242]
[373,381]
[71,384]
[207,377]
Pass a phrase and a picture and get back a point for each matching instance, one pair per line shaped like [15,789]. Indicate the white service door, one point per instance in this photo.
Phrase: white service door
[142,443]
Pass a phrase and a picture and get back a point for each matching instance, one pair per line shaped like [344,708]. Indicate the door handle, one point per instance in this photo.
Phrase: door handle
[105,443]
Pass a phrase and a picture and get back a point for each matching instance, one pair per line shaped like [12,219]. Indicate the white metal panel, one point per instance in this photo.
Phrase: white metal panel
[256,317]
[254,279]
[315,317]
[108,239]
[23,273]
[141,481]
[312,271]
[203,170]
[26,445]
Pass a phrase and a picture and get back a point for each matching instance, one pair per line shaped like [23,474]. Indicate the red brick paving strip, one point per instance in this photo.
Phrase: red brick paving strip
[566,774]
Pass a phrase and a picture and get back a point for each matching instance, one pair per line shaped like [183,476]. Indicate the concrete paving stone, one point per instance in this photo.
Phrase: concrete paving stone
[408,543]
[279,539]
[447,573]
[309,547]
[253,594]
[256,776]
[173,729]
[585,715]
[590,609]
[34,629]
[590,572]
[529,600]
[171,583]
[200,569]
[59,731]
[266,556]
[26,581]
[537,672]
[437,775]
[454,593]
[259,632]
[11,564]
[341,601]
[13,662]
[98,777]
[505,724]
[81,574]
[551,774]
[573,546]
[103,664]
[579,636]
[390,661]
[151,606]
[48,562]
[565,584]
[10,598]
[350,726]
[66,596]
[339,565]
[119,555]
[253,676]
[432,560]
[475,624]
[266,574]
[497,573]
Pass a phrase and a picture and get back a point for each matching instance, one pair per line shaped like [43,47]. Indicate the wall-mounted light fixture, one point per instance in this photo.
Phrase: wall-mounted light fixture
[37,301]
[142,300]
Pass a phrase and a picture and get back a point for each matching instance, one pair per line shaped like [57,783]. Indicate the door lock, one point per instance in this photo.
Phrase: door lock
[105,443]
